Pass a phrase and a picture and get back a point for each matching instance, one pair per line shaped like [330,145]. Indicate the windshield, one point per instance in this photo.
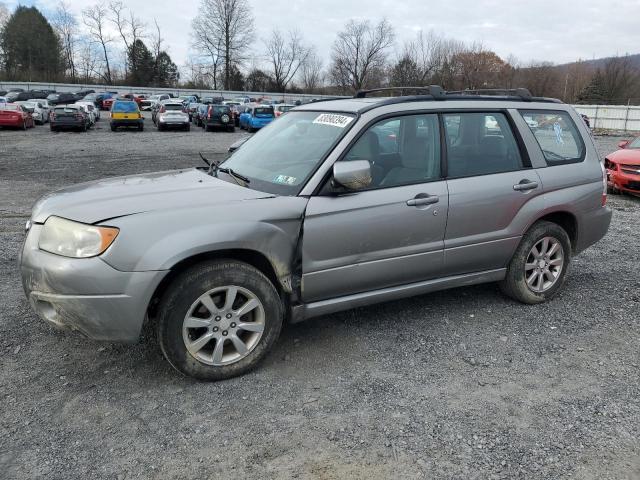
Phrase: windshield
[635,143]
[282,156]
[53,96]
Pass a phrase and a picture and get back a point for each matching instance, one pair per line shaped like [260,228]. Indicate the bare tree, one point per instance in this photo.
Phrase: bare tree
[130,28]
[229,25]
[209,46]
[285,54]
[88,59]
[66,26]
[311,75]
[619,80]
[359,50]
[95,18]
[4,16]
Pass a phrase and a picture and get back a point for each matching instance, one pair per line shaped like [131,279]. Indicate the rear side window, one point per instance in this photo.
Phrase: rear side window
[480,144]
[556,134]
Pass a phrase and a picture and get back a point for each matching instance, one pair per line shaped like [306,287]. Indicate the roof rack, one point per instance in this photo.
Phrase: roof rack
[523,93]
[436,91]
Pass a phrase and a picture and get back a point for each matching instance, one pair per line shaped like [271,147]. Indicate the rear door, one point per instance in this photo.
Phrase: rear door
[491,186]
[389,234]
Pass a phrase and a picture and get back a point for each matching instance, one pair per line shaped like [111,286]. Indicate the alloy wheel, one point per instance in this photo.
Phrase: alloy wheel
[223,325]
[544,264]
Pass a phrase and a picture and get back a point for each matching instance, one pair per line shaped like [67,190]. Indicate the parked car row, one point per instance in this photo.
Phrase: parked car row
[81,115]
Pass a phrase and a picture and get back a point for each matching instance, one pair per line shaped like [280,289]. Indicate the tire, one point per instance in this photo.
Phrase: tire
[250,129]
[187,128]
[182,297]
[515,284]
[141,127]
[113,128]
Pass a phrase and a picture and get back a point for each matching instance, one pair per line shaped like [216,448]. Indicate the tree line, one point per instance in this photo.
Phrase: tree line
[64,48]
[227,55]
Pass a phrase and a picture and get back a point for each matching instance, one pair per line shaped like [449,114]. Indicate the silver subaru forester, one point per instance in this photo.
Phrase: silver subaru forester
[335,205]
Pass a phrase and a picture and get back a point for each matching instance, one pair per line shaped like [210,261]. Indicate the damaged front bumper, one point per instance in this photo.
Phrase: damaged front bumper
[87,294]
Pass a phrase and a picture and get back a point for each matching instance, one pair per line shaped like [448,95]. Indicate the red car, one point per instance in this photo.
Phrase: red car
[14,115]
[107,103]
[623,167]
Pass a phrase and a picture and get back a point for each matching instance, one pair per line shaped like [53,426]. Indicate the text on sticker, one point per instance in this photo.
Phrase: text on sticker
[333,119]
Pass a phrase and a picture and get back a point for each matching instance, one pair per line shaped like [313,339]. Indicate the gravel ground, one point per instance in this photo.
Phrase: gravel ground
[458,384]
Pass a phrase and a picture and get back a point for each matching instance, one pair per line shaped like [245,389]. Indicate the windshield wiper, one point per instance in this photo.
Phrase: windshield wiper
[214,168]
[230,172]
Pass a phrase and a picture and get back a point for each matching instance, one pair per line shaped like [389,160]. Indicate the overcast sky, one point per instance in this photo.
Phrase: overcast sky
[554,30]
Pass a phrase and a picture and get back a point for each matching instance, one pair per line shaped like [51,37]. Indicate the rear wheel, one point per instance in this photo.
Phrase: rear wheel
[141,127]
[218,320]
[539,266]
[113,128]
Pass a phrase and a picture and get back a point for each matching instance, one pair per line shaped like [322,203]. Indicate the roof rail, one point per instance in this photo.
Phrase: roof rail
[523,93]
[436,91]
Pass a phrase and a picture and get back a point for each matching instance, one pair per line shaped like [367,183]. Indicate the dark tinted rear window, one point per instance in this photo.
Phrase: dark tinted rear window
[265,110]
[125,107]
[173,107]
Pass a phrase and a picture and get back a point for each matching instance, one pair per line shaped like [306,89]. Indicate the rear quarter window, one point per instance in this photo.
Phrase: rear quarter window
[556,134]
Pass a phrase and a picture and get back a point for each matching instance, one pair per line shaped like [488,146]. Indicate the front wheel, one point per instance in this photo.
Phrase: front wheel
[539,266]
[218,320]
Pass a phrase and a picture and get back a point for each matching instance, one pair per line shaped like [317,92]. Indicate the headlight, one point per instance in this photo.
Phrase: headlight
[73,239]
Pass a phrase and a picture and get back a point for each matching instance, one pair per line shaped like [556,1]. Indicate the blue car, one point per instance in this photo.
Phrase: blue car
[254,118]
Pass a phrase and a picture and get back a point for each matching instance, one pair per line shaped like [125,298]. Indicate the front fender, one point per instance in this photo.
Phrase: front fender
[159,240]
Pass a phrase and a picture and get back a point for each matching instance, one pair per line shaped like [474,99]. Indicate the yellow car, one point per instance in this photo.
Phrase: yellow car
[125,113]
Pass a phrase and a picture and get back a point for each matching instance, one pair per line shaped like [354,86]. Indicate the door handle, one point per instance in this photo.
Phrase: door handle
[423,199]
[525,185]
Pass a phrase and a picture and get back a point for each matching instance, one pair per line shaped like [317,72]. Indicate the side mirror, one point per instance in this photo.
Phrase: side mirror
[354,175]
[623,144]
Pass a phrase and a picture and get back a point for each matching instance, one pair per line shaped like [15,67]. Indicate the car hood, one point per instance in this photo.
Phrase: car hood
[100,200]
[627,156]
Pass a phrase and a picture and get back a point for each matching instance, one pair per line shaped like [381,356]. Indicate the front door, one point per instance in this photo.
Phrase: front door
[390,234]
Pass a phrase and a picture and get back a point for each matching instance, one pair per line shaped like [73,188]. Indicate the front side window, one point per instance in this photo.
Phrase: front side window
[556,134]
[283,155]
[480,144]
[402,150]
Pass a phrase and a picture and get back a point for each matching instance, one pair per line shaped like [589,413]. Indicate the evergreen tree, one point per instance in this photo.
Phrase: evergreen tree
[236,79]
[594,92]
[165,71]
[141,64]
[31,49]
[405,73]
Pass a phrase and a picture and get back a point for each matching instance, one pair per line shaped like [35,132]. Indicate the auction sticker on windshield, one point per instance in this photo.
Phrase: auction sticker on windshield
[333,119]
